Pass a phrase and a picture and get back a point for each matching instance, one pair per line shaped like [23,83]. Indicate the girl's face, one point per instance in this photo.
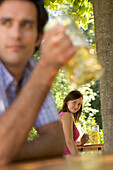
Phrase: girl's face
[74,105]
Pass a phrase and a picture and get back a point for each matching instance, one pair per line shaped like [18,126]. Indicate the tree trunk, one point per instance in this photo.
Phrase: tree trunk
[103,15]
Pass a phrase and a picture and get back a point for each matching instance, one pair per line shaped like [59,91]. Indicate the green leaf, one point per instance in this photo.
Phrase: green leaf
[84,20]
[52,1]
[46,2]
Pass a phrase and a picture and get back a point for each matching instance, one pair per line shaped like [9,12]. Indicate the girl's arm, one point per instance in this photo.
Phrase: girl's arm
[67,123]
[83,140]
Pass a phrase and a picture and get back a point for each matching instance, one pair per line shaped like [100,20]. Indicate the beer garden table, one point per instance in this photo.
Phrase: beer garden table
[90,147]
[97,160]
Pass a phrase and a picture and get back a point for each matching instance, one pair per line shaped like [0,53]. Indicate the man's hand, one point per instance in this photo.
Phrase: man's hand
[57,48]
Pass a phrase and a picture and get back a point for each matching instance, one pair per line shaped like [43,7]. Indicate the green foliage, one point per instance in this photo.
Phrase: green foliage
[96,103]
[32,134]
[90,33]
[60,88]
[82,9]
[87,118]
[90,1]
[101,136]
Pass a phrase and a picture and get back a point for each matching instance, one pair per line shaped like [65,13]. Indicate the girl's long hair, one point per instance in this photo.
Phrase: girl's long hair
[73,95]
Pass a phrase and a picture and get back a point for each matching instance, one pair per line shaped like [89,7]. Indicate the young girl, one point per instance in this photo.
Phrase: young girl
[71,110]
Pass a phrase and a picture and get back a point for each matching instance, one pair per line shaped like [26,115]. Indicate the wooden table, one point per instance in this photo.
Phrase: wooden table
[85,161]
[90,147]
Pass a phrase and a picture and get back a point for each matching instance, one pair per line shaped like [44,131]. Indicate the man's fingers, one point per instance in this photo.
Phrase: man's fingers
[57,29]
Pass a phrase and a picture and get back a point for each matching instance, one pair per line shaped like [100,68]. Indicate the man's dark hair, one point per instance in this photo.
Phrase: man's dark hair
[42,15]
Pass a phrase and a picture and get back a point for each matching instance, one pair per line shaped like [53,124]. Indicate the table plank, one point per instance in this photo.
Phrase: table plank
[90,147]
[84,161]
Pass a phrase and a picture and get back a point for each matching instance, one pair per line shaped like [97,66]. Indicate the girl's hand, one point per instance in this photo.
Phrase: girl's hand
[84,138]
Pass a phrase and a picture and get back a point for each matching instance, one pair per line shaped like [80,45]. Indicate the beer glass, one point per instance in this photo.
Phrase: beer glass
[94,134]
[84,66]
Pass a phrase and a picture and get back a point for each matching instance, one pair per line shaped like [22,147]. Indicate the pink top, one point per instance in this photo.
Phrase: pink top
[75,133]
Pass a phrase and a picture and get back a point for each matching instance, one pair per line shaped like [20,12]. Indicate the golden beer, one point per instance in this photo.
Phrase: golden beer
[84,66]
[94,134]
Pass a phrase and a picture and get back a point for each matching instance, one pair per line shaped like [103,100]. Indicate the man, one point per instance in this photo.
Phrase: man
[21,92]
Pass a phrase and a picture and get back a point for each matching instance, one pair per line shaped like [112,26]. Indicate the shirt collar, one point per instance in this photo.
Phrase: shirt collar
[10,80]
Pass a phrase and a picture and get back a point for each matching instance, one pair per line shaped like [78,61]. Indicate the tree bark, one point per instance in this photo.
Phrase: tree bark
[103,16]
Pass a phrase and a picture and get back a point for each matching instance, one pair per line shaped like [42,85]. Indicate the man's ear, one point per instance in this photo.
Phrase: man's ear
[39,40]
